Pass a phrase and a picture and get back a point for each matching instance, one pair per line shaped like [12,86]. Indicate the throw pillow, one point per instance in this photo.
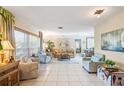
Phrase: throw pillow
[23,60]
[29,60]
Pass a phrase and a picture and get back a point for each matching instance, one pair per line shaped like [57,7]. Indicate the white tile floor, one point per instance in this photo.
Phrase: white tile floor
[64,73]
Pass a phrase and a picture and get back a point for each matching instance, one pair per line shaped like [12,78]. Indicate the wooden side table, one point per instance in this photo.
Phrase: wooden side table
[112,76]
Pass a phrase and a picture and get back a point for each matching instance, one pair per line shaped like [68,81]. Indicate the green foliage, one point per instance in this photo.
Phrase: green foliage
[1,36]
[110,62]
[50,45]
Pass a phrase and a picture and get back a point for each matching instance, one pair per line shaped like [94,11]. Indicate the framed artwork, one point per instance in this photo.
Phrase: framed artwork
[113,41]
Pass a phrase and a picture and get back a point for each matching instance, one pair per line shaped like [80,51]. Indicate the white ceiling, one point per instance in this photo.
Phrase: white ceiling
[73,19]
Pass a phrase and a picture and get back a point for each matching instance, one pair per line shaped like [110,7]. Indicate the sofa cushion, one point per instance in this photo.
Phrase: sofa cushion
[29,60]
[24,59]
[99,55]
[95,59]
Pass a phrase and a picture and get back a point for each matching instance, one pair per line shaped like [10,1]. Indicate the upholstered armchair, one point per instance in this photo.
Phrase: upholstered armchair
[28,70]
[44,58]
[89,53]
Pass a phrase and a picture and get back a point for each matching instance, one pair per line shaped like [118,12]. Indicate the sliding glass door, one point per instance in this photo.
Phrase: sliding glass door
[34,44]
[26,44]
[20,42]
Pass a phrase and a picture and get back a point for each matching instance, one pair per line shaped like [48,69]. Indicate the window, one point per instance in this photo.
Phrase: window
[34,44]
[90,42]
[20,44]
[26,44]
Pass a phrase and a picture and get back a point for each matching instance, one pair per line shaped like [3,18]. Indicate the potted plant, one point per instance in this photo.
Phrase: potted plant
[110,63]
[50,46]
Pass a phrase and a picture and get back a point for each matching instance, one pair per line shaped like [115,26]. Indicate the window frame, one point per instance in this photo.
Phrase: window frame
[87,41]
[27,35]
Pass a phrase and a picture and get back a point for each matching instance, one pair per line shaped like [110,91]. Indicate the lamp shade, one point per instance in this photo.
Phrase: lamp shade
[6,45]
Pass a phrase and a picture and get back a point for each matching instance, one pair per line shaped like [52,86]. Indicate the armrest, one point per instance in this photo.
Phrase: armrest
[28,66]
[91,66]
[96,63]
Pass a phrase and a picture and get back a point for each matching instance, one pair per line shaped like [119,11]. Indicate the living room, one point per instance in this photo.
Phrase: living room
[51,50]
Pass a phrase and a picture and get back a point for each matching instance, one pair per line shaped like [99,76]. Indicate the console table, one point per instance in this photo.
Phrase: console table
[112,76]
[9,74]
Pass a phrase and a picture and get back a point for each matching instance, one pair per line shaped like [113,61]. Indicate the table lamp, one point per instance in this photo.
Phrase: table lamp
[6,47]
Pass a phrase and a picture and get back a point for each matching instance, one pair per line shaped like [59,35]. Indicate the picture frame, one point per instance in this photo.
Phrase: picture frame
[113,41]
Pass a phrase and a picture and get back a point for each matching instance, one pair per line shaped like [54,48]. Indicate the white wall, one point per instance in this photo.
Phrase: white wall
[71,38]
[24,26]
[113,23]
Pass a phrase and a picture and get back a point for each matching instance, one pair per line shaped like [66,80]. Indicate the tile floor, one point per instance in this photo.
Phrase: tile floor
[63,74]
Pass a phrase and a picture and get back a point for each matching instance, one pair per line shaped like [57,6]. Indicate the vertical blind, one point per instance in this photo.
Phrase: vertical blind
[26,44]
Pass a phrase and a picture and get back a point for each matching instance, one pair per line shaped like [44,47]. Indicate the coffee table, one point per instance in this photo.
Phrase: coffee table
[62,56]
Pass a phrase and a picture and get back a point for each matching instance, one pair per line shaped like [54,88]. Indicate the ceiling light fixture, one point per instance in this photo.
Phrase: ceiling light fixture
[60,27]
[98,12]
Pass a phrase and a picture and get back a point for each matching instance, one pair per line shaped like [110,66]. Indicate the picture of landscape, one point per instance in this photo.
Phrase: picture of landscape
[113,41]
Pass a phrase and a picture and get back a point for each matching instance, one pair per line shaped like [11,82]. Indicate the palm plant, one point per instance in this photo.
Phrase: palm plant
[50,45]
